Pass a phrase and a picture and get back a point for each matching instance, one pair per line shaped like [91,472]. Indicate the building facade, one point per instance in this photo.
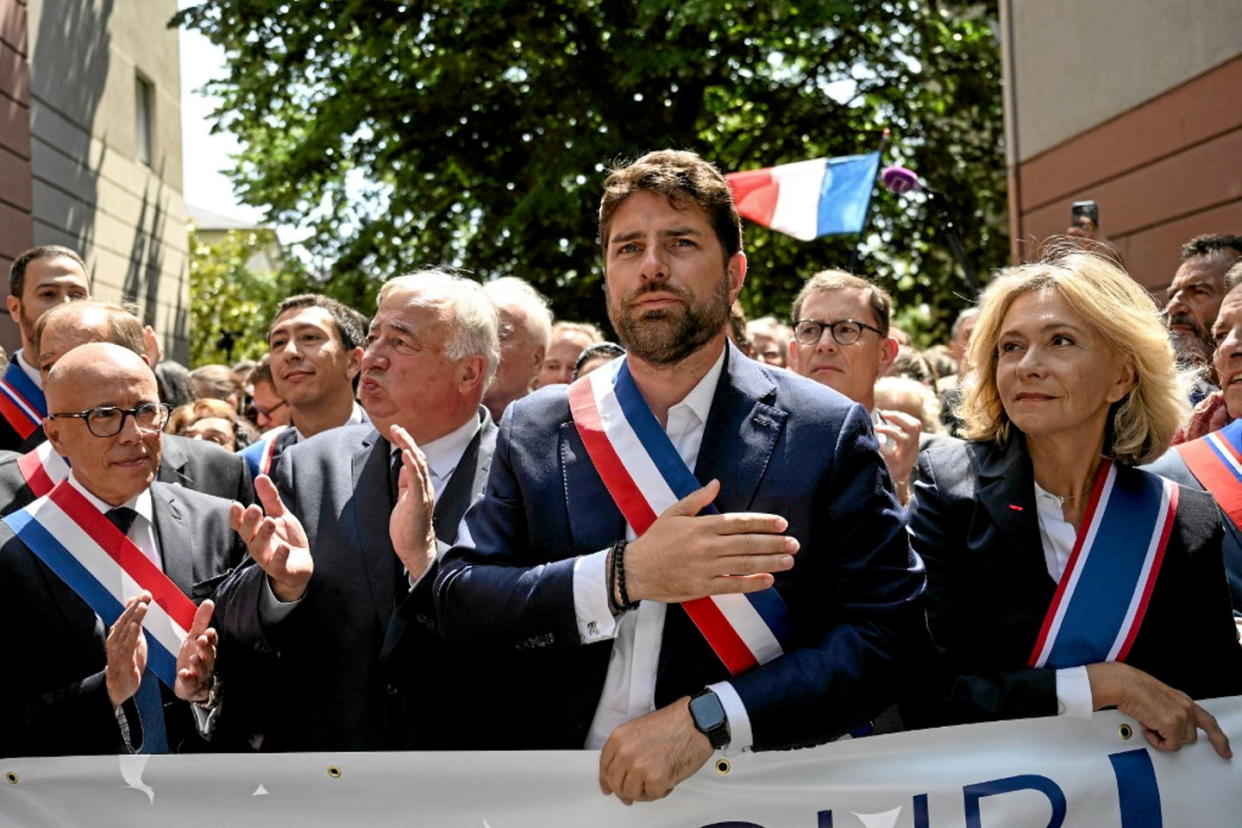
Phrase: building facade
[1135,105]
[90,149]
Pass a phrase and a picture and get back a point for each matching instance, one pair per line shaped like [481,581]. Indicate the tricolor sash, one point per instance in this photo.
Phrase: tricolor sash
[42,468]
[1103,594]
[1216,462]
[259,456]
[105,568]
[645,475]
[21,401]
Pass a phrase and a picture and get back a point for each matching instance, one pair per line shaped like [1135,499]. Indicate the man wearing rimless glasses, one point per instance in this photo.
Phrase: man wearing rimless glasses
[841,340]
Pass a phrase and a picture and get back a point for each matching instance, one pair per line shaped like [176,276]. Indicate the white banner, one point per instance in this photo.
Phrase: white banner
[1034,772]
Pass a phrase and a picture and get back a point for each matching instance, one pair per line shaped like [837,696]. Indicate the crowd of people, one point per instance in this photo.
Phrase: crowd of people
[457,523]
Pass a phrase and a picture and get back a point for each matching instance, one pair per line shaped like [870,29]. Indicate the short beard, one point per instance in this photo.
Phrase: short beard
[666,336]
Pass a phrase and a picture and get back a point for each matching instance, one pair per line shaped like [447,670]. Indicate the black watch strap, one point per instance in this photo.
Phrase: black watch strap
[708,714]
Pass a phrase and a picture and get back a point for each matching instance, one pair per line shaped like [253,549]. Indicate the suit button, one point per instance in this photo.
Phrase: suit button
[392,689]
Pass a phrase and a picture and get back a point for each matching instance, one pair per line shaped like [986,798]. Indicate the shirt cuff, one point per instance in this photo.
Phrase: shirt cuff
[595,619]
[1074,693]
[272,610]
[205,720]
[740,737]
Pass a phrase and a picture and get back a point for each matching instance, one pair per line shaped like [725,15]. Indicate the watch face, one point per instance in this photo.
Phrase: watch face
[707,711]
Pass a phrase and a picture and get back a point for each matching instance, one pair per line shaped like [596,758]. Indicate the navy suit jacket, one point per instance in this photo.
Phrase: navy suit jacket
[975,523]
[53,699]
[780,444]
[325,665]
[1171,465]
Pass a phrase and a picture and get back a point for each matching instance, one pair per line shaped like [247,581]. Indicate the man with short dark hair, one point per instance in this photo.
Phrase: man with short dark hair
[39,279]
[314,351]
[841,340]
[1195,294]
[72,685]
[590,562]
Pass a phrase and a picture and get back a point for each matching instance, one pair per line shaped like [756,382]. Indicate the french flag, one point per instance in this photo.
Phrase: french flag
[808,199]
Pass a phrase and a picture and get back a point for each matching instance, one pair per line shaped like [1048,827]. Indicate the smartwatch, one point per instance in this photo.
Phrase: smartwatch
[709,717]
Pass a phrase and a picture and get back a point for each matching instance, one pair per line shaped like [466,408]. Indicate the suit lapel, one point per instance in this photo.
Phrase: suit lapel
[741,432]
[172,462]
[176,542]
[451,504]
[1007,493]
[371,504]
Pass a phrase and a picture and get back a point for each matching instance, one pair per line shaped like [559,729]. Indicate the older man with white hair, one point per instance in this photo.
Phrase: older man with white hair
[525,329]
[337,605]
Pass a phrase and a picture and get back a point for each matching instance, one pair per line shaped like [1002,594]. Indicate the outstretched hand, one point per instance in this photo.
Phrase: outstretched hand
[276,540]
[684,555]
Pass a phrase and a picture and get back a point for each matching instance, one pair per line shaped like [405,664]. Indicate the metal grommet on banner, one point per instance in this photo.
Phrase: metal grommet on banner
[12,778]
[334,771]
[723,766]
[1125,731]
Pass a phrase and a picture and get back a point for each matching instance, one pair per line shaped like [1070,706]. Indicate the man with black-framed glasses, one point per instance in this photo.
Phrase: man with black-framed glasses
[841,340]
[101,576]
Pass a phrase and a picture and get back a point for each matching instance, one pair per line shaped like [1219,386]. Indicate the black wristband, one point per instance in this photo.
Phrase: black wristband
[618,578]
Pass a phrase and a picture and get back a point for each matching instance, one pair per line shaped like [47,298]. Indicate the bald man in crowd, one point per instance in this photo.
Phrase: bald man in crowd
[81,679]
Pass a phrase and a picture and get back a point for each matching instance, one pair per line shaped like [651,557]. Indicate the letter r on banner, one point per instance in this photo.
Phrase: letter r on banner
[971,794]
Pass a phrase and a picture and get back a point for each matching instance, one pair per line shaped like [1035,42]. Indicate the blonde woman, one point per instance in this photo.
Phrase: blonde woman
[1062,579]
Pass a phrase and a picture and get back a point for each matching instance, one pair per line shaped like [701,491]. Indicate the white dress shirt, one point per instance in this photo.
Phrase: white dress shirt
[629,686]
[1057,536]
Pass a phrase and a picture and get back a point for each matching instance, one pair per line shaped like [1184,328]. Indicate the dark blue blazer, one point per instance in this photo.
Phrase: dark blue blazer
[1171,465]
[975,524]
[779,443]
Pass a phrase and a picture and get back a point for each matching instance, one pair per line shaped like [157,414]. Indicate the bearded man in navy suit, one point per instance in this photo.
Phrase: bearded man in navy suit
[808,519]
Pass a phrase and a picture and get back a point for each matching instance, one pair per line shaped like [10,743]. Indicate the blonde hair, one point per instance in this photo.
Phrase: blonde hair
[1128,321]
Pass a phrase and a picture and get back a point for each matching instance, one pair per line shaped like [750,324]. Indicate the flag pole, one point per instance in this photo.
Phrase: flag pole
[866,222]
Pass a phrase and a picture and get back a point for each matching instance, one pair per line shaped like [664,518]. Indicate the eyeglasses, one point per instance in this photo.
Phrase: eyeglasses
[253,412]
[108,420]
[844,331]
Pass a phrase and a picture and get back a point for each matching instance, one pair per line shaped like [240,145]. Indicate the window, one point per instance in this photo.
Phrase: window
[144,118]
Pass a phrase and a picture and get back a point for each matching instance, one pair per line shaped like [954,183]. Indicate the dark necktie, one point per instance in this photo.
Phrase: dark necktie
[394,474]
[122,517]
[148,698]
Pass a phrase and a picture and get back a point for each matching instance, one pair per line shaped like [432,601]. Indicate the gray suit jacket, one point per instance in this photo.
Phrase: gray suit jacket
[327,660]
[53,700]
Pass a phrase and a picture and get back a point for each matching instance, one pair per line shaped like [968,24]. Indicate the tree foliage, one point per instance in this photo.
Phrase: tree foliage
[477,132]
[228,293]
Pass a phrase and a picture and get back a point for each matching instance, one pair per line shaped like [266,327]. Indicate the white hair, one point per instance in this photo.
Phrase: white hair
[475,319]
[511,291]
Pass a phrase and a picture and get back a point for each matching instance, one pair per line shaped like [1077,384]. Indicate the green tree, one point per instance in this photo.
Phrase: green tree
[228,294]
[477,132]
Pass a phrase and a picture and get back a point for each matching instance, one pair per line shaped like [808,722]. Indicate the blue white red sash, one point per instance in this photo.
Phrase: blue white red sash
[22,402]
[261,455]
[1216,462]
[1103,594]
[645,476]
[42,468]
[105,568]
